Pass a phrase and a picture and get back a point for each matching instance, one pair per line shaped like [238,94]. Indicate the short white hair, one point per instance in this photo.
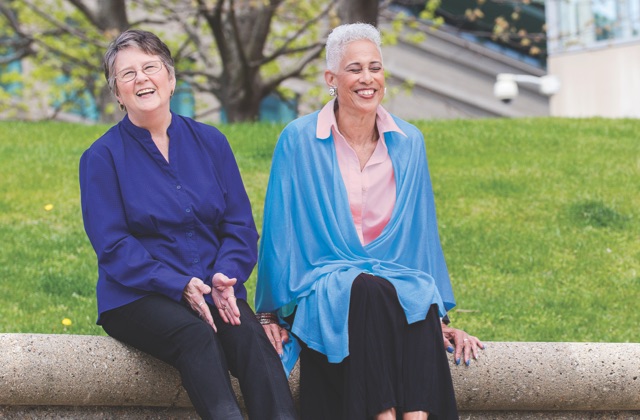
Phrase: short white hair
[344,34]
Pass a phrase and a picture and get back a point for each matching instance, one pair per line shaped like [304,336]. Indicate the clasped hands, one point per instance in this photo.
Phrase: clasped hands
[223,298]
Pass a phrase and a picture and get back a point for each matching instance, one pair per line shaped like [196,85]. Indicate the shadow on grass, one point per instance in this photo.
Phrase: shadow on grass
[597,214]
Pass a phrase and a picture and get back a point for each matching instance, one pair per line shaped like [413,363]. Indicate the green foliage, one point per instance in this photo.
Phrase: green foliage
[64,64]
[517,24]
[538,219]
[68,49]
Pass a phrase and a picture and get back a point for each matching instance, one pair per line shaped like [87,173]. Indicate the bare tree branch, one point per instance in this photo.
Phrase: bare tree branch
[63,26]
[19,48]
[142,22]
[192,37]
[111,14]
[212,84]
[284,49]
[91,17]
[11,17]
[74,60]
[20,45]
[296,71]
[213,18]
[6,59]
[292,51]
[260,21]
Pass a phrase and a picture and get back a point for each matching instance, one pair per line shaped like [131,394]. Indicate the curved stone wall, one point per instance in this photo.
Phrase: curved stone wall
[83,376]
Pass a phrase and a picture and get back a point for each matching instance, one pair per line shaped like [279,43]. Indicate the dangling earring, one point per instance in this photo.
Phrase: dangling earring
[333,91]
[171,96]
[122,107]
[385,90]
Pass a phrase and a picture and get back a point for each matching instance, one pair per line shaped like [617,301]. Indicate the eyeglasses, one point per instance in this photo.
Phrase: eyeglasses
[127,75]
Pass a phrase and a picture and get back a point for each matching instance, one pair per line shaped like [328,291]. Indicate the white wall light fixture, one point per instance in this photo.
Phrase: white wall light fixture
[506,86]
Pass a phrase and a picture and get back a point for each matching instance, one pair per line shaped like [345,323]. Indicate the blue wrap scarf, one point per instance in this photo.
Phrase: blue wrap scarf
[310,252]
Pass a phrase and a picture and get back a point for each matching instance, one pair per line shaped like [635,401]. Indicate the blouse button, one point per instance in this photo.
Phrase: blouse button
[178,187]
[188,210]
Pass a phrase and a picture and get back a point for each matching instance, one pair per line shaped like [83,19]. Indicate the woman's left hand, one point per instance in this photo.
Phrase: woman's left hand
[225,299]
[465,345]
[277,336]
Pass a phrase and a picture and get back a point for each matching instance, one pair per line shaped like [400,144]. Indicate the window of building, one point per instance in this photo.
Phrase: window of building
[591,23]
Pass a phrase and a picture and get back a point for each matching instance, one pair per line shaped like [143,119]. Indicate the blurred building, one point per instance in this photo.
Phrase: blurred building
[451,77]
[594,48]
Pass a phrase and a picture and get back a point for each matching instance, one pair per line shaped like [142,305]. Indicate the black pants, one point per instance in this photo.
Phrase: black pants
[172,332]
[390,363]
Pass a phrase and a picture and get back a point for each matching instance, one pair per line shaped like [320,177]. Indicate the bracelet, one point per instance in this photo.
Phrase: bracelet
[266,318]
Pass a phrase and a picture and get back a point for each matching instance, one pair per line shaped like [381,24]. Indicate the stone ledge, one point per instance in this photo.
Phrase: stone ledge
[163,413]
[37,371]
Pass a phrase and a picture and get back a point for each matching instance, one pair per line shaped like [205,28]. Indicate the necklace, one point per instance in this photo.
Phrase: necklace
[365,149]
[373,138]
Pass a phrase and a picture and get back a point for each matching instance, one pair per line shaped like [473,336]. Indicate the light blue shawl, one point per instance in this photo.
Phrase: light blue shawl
[310,252]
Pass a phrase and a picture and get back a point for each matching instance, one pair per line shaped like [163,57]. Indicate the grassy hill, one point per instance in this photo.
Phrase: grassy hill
[539,220]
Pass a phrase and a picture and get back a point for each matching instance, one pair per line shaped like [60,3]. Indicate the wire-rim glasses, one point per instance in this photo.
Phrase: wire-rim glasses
[148,68]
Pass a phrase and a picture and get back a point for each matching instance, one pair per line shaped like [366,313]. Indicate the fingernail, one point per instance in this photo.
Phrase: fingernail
[457,361]
[450,349]
[468,362]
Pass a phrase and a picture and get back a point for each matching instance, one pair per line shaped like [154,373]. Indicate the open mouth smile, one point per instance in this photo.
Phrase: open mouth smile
[144,92]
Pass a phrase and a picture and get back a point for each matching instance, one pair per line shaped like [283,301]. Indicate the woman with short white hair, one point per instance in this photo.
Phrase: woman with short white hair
[350,260]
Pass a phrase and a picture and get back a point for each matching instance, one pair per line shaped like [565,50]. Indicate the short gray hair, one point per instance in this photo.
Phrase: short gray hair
[143,40]
[344,34]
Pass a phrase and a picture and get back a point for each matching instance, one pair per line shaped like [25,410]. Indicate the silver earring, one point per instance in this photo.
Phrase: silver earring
[333,91]
[385,90]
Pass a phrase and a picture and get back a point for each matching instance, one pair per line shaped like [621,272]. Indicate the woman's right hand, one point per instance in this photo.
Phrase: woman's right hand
[276,335]
[194,294]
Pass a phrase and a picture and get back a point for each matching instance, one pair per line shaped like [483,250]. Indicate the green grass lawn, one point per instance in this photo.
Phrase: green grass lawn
[539,220]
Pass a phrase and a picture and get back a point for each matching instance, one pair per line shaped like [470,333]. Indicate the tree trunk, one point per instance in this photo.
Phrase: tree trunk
[241,90]
[247,110]
[112,14]
[244,33]
[352,11]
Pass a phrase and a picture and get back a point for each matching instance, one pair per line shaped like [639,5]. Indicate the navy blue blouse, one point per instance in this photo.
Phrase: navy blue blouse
[156,224]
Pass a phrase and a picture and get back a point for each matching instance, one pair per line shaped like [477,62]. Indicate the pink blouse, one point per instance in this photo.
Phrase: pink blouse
[372,190]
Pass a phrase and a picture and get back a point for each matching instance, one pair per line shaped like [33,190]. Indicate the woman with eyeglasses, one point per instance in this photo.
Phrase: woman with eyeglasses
[166,211]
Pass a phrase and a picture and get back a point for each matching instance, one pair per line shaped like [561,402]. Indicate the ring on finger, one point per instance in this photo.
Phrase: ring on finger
[466,339]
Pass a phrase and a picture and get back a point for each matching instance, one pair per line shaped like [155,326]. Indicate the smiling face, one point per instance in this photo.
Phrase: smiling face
[146,93]
[359,78]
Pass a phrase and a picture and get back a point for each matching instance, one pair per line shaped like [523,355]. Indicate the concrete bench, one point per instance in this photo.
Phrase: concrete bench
[72,376]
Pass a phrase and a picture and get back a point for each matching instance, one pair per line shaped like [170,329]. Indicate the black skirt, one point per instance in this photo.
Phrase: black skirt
[390,363]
